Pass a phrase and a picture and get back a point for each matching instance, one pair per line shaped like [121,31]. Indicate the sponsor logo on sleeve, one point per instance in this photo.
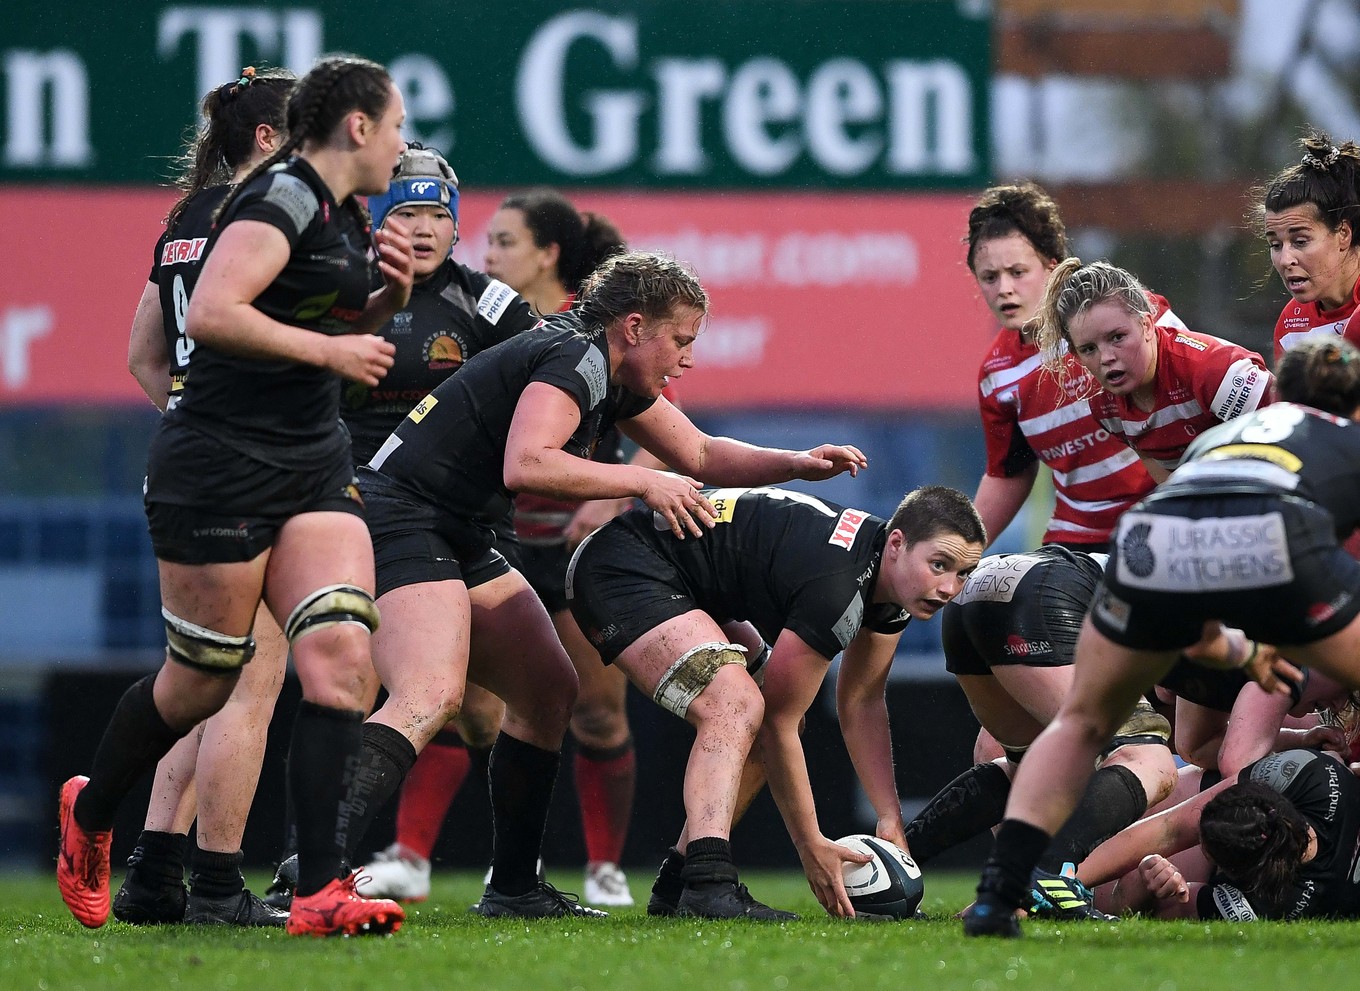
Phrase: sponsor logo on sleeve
[1192,342]
[851,620]
[593,373]
[294,197]
[847,526]
[725,503]
[495,300]
[1278,770]
[423,408]
[1232,904]
[1240,390]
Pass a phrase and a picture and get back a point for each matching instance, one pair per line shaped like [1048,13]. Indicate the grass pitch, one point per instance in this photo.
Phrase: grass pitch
[442,946]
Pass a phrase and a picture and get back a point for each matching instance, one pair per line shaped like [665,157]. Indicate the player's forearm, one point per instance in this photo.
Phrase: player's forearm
[864,726]
[999,499]
[240,329]
[725,461]
[560,475]
[786,770]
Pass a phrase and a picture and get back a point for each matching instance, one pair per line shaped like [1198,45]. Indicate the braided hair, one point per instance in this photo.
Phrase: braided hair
[223,140]
[1321,372]
[583,239]
[1024,209]
[335,87]
[1256,838]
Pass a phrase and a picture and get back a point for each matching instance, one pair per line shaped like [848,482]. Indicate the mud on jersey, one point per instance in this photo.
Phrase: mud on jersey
[450,449]
[783,560]
[454,314]
[1200,382]
[174,269]
[285,412]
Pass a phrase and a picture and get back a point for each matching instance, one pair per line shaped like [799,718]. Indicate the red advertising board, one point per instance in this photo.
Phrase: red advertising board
[830,300]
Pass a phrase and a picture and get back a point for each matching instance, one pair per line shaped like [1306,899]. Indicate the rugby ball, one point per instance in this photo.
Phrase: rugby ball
[889,884]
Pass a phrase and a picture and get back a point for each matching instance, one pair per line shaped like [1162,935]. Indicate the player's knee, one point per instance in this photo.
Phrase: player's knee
[697,669]
[598,725]
[206,650]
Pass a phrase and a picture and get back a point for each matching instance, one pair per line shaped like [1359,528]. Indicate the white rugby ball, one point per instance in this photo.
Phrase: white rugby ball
[889,884]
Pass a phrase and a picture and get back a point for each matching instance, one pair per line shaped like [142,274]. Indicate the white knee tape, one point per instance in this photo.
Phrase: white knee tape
[686,679]
[205,649]
[331,606]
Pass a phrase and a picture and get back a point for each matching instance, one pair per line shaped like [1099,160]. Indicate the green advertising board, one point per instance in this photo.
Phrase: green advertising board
[651,93]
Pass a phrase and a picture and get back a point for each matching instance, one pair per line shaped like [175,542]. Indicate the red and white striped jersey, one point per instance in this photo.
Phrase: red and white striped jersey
[1029,414]
[1201,381]
[1300,320]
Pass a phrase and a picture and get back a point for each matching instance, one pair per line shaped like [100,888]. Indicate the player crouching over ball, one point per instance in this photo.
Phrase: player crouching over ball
[815,579]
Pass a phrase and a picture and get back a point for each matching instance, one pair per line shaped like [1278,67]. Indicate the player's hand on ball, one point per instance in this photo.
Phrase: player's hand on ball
[678,501]
[822,860]
[828,461]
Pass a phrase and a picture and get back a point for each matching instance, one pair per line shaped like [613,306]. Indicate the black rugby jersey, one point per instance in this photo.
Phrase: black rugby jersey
[1285,447]
[782,560]
[174,269]
[450,450]
[454,314]
[284,412]
[1328,796]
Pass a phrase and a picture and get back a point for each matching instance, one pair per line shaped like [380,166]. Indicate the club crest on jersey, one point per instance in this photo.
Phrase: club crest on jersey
[847,527]
[443,351]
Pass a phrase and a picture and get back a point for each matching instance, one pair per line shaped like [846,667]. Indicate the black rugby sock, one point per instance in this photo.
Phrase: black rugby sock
[160,857]
[384,761]
[1006,875]
[323,761]
[708,860]
[972,803]
[1114,799]
[522,778]
[290,838]
[479,763]
[216,875]
[136,738]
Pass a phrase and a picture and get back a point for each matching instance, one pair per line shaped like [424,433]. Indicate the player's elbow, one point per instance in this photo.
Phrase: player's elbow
[523,472]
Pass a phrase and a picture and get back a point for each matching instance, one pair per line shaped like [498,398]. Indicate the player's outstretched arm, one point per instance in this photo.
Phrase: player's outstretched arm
[793,676]
[666,432]
[862,707]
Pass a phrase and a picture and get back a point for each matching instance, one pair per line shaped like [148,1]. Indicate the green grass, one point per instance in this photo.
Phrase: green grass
[444,947]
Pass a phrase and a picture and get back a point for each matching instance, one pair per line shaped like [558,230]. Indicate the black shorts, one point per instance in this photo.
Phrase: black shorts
[415,543]
[244,504]
[619,586]
[544,567]
[1208,687]
[1268,564]
[1023,609]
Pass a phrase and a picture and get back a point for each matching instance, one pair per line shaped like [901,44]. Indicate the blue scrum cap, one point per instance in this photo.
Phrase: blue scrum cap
[422,177]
